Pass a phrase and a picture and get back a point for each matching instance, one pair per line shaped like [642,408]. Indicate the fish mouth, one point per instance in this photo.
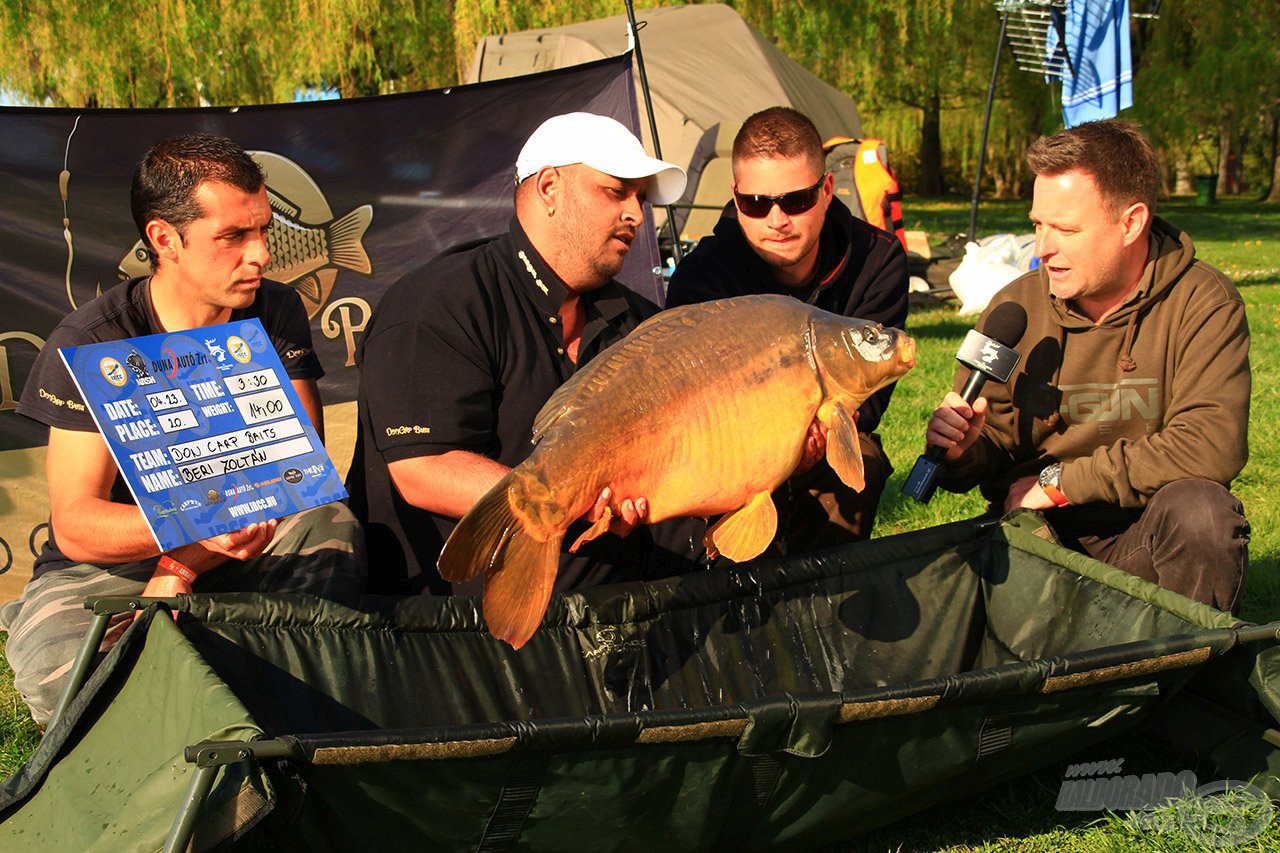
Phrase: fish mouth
[907,351]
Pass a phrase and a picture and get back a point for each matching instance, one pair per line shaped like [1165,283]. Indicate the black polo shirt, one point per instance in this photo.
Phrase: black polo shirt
[461,354]
[50,395]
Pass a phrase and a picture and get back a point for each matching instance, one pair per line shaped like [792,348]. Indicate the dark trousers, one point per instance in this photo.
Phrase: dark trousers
[817,510]
[1192,538]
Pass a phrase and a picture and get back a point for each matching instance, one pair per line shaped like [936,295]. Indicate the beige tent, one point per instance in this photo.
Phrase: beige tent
[706,68]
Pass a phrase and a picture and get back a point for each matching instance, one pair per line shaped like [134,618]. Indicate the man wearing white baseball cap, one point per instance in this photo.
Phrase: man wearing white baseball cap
[461,354]
[603,144]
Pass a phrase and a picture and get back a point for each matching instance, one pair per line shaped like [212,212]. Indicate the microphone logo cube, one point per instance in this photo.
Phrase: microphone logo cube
[988,355]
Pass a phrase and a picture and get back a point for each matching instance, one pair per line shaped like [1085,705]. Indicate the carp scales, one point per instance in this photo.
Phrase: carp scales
[702,410]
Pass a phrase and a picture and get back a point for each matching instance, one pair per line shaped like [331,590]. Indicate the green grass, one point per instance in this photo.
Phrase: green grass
[1243,239]
[18,734]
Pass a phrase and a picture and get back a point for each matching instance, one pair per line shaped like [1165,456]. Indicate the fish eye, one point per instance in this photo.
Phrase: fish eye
[870,335]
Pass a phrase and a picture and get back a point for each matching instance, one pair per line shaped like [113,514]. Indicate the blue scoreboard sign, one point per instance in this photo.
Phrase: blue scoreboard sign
[206,429]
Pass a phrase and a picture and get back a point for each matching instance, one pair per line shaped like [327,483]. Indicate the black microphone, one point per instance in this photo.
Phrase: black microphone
[989,356]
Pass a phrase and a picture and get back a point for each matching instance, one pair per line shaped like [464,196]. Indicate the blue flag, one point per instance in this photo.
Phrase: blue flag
[1097,41]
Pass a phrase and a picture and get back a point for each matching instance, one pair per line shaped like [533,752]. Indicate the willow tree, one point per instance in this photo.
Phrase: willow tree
[190,53]
[904,61]
[1208,80]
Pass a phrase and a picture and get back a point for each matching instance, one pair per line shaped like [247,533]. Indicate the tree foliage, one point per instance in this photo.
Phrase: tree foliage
[167,53]
[1206,71]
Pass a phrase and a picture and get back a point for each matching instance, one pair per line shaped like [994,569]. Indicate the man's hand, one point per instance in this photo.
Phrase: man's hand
[956,425]
[815,446]
[1027,493]
[630,513]
[243,544]
[200,557]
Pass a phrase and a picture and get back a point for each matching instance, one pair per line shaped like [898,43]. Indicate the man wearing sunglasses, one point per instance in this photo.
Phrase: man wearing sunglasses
[784,232]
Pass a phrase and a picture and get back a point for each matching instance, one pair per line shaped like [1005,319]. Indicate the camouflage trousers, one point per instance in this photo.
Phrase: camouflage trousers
[319,552]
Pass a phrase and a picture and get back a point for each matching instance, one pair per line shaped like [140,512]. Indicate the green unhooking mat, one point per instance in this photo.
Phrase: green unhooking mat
[783,704]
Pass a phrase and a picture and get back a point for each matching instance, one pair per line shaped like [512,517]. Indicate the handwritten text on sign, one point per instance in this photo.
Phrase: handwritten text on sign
[206,428]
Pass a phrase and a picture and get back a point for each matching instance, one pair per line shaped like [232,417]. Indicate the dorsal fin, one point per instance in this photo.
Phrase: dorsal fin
[282,205]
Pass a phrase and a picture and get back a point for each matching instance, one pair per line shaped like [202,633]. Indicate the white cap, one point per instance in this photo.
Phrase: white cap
[601,143]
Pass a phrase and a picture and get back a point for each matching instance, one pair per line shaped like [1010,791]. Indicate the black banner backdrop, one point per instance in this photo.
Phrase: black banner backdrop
[363,190]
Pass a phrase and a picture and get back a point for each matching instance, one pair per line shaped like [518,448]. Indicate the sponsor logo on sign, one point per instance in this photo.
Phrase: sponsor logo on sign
[139,368]
[239,349]
[113,371]
[293,476]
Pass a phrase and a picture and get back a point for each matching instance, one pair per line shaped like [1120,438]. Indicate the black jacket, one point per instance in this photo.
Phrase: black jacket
[862,272]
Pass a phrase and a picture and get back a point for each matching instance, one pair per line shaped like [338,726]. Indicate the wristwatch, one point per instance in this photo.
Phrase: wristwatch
[1049,479]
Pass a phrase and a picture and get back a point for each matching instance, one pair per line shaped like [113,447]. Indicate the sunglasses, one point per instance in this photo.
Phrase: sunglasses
[793,203]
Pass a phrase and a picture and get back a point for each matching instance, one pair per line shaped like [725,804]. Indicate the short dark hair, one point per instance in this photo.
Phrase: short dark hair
[779,132]
[166,180]
[1114,152]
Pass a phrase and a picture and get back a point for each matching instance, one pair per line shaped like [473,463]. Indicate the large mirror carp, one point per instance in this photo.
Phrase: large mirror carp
[702,410]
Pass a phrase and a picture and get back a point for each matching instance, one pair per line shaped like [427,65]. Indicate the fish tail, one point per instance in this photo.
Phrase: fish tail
[480,538]
[346,235]
[517,589]
[519,570]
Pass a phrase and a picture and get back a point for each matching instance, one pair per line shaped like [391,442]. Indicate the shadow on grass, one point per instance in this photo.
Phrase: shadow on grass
[939,325]
[1271,277]
[1261,602]
[1231,220]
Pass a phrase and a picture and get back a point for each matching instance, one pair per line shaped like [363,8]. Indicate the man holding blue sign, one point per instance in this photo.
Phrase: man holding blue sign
[201,205]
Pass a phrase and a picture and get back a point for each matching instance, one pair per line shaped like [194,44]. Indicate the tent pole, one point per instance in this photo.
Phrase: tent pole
[653,124]
[986,126]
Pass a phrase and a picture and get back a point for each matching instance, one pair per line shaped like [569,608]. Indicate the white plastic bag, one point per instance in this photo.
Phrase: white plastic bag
[988,266]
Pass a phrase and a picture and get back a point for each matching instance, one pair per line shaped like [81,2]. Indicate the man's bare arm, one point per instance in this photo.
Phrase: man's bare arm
[309,394]
[453,482]
[90,528]
[448,484]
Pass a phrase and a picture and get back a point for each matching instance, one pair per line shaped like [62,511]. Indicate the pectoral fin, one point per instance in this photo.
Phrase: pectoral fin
[595,531]
[746,532]
[844,453]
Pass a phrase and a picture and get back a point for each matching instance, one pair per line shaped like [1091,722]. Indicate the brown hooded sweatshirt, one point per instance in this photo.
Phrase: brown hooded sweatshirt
[1159,391]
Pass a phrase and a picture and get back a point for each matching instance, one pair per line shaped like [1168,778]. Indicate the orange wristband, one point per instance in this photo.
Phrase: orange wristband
[173,567]
[1054,494]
